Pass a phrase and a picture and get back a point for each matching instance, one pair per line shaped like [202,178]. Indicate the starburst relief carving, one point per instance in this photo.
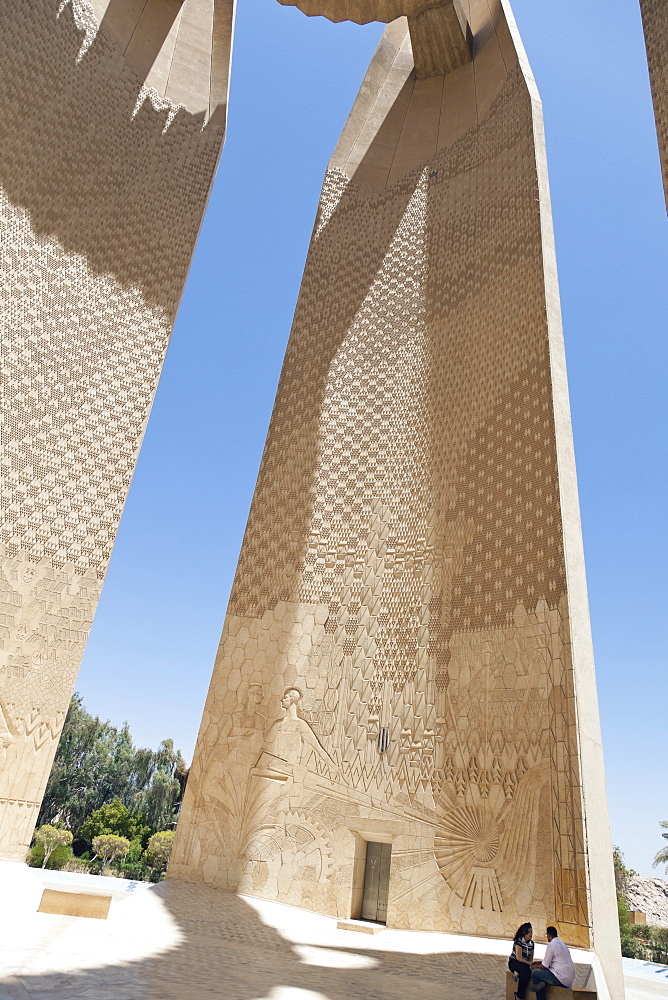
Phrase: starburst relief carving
[467,836]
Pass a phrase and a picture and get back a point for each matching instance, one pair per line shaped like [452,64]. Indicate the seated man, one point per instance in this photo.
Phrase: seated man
[557,967]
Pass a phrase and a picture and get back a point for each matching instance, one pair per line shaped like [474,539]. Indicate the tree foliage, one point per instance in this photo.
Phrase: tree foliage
[49,838]
[159,848]
[637,940]
[661,857]
[113,796]
[158,782]
[647,943]
[97,763]
[59,858]
[622,873]
[115,818]
[108,847]
[91,766]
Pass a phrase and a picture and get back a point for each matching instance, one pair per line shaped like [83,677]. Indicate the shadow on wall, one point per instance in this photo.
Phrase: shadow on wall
[95,163]
[226,951]
[140,40]
[325,312]
[180,48]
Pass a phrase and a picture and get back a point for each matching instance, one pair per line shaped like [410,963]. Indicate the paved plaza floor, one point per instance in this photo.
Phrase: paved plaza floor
[177,941]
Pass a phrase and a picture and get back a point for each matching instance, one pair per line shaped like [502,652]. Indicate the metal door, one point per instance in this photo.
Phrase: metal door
[376,882]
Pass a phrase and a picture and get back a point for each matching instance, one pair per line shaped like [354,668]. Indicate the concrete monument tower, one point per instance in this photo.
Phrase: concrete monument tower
[655,24]
[402,723]
[112,119]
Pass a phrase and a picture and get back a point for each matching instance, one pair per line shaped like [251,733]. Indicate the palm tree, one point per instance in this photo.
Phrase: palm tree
[662,855]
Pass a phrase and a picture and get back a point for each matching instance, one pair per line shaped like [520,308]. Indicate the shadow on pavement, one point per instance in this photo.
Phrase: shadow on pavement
[226,951]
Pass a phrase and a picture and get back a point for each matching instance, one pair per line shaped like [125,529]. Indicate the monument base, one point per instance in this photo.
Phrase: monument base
[179,939]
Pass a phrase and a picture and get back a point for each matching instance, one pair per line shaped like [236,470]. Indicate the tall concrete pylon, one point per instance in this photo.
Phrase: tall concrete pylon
[406,658]
[112,119]
[655,25]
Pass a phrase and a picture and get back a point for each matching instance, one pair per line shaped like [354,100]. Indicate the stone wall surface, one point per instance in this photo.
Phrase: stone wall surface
[650,896]
[106,163]
[411,570]
[655,24]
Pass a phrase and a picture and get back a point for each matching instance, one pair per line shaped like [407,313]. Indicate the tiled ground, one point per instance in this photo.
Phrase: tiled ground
[645,980]
[184,942]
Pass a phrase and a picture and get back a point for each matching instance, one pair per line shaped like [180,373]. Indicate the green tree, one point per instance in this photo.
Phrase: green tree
[622,873]
[49,838]
[108,847]
[97,763]
[133,866]
[631,948]
[160,779]
[662,855]
[159,848]
[115,818]
[92,765]
[59,858]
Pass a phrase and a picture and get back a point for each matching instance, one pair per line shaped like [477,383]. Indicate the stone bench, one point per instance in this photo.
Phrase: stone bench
[75,904]
[550,992]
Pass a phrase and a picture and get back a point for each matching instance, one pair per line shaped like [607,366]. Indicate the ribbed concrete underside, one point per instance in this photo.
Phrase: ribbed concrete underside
[363,11]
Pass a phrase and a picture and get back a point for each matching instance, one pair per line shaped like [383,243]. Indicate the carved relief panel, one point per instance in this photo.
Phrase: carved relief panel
[92,274]
[400,613]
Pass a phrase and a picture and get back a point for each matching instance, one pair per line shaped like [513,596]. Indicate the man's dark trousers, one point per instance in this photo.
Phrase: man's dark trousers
[540,978]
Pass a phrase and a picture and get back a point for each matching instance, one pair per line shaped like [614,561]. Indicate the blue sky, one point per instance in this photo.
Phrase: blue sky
[153,642]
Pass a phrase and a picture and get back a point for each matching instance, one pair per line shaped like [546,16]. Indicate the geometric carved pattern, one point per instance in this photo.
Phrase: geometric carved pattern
[103,183]
[655,24]
[396,663]
[403,565]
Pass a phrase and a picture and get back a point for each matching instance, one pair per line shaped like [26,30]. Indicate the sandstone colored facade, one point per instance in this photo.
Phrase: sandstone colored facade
[112,119]
[406,658]
[655,24]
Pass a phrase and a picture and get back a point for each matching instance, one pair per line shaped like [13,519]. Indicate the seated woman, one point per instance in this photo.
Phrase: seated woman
[521,958]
